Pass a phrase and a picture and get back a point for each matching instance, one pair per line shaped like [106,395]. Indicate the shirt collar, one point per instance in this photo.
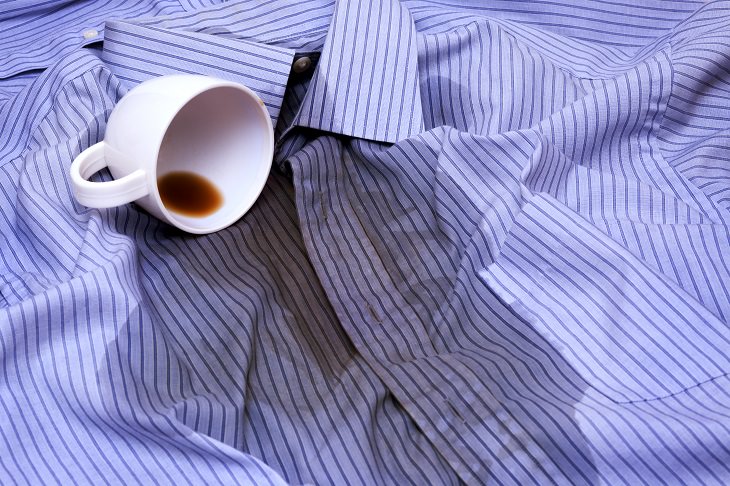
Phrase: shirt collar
[136,52]
[365,84]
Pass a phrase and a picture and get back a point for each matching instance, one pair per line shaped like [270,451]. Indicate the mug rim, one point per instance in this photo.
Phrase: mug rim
[212,83]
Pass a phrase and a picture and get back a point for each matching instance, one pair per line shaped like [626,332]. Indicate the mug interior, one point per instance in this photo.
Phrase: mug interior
[222,134]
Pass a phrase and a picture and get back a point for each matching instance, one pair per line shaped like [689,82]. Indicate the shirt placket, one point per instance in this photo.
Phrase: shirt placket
[360,63]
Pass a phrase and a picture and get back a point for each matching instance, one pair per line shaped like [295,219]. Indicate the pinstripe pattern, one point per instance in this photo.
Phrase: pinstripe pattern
[36,34]
[495,250]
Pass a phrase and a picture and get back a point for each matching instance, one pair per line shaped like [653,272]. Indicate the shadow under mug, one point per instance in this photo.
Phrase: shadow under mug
[216,129]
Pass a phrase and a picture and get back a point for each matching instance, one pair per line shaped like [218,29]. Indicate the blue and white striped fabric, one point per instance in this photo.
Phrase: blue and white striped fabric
[496,249]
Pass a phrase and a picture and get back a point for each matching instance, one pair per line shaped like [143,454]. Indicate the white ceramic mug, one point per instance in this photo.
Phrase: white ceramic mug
[214,128]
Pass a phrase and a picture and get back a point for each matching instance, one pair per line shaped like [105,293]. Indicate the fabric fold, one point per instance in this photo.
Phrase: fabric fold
[633,333]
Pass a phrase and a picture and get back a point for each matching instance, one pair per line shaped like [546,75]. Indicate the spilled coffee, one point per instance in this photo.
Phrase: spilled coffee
[189,194]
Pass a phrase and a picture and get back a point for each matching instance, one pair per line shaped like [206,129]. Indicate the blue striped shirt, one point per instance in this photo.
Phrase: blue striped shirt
[495,249]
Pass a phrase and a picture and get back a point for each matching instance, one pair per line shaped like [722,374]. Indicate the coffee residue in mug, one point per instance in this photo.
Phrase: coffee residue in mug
[189,194]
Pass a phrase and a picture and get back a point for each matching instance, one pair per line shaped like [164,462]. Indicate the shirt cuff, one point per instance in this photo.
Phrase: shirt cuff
[136,53]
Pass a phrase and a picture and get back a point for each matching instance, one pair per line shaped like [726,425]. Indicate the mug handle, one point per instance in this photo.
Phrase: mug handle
[104,194]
